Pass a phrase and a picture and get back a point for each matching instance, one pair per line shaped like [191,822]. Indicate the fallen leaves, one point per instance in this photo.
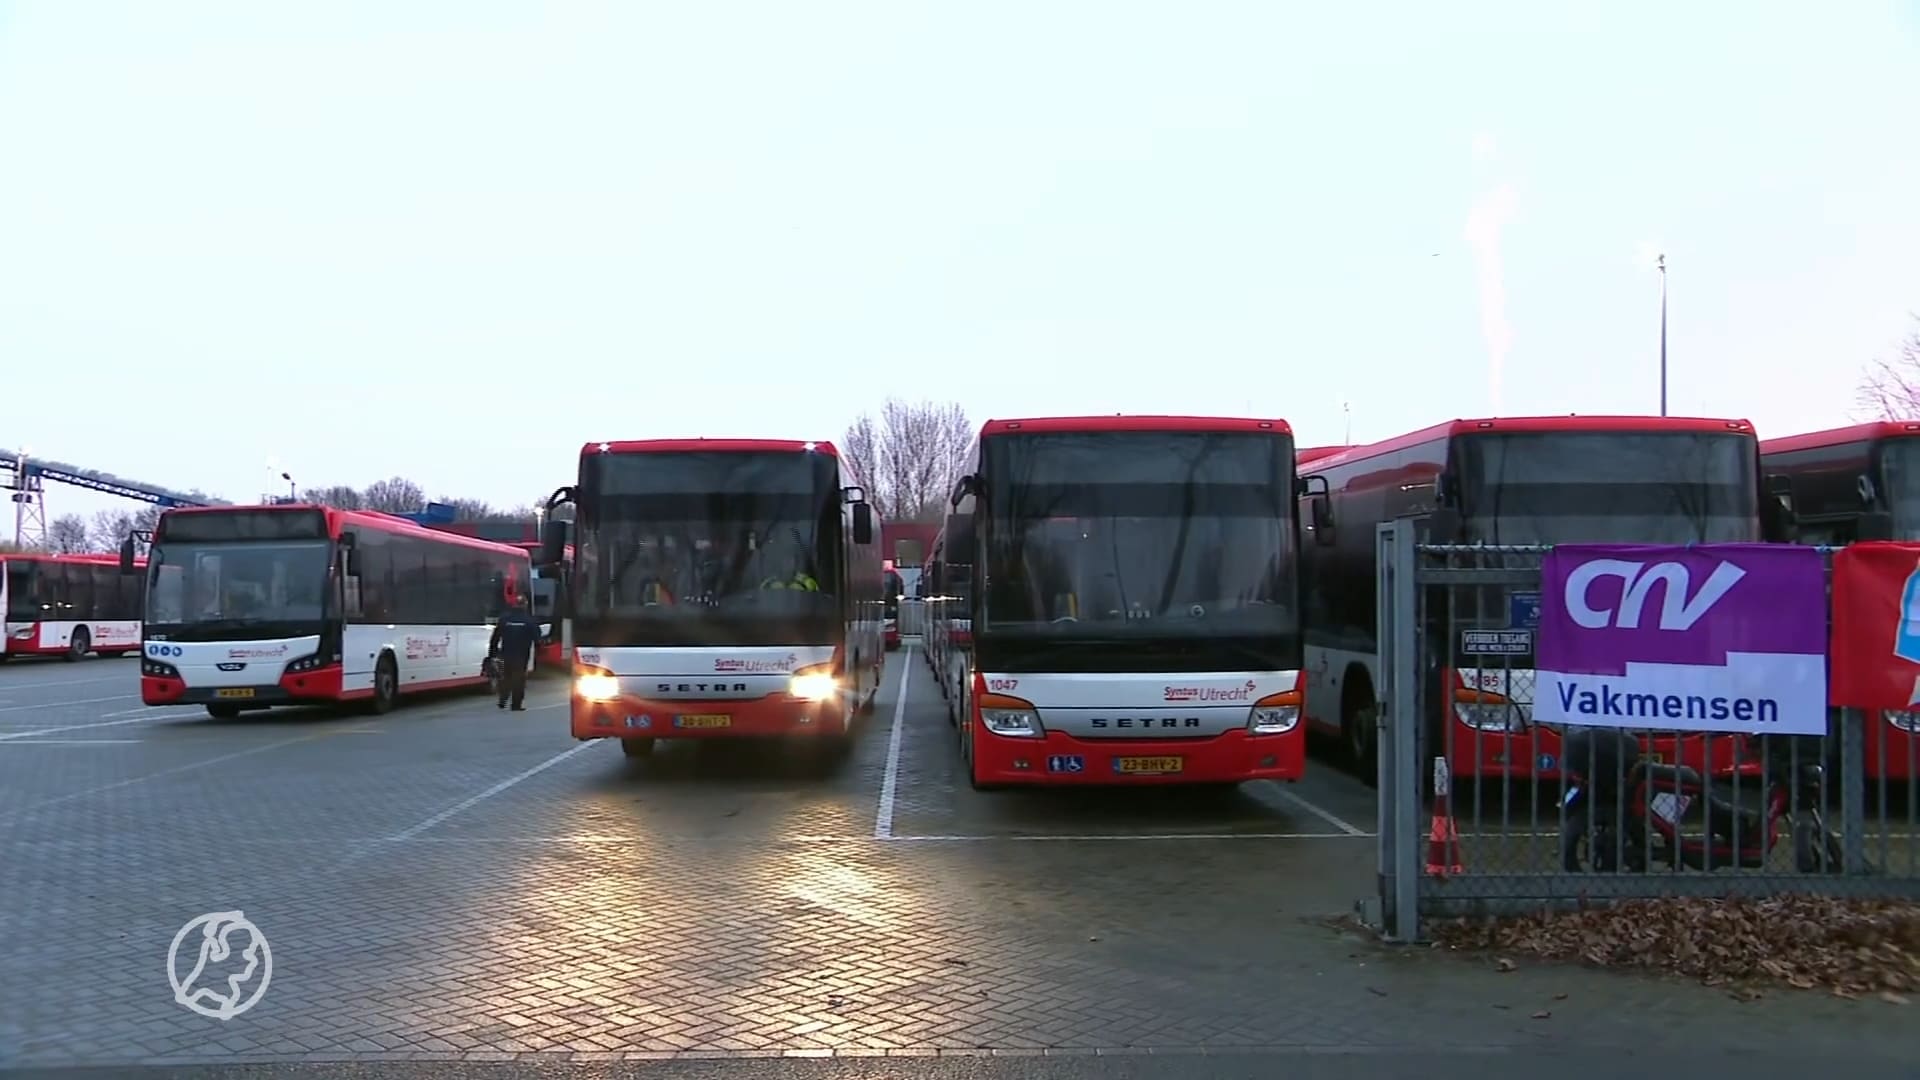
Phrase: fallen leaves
[1848,947]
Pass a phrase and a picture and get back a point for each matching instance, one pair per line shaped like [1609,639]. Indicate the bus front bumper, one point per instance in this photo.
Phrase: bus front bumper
[1229,758]
[773,715]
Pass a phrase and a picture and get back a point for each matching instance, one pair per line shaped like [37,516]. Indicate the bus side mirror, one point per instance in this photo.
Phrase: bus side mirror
[353,562]
[553,542]
[1875,525]
[127,552]
[1320,515]
[965,486]
[1445,491]
[863,523]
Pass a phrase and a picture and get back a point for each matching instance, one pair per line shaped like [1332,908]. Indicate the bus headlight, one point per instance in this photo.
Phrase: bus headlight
[813,686]
[1273,719]
[596,685]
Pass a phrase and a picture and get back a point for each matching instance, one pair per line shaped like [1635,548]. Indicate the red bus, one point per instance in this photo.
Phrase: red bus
[1508,481]
[947,588]
[254,606]
[722,588]
[1135,612]
[67,606]
[1859,483]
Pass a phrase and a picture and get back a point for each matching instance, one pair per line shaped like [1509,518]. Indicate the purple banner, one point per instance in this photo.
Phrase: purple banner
[1708,637]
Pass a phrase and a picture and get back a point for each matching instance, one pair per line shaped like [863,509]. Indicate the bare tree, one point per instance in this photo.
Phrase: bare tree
[67,535]
[394,495]
[8,547]
[338,496]
[1891,388]
[110,527]
[909,456]
[469,509]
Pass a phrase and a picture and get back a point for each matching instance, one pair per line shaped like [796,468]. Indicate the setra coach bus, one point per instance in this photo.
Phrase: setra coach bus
[1134,602]
[721,588]
[248,607]
[1520,481]
[67,606]
[1859,483]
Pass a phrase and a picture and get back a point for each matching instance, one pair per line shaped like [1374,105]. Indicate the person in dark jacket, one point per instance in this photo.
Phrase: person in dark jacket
[514,637]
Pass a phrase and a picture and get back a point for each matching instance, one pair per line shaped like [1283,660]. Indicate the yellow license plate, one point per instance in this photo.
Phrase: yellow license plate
[705,720]
[243,692]
[1140,766]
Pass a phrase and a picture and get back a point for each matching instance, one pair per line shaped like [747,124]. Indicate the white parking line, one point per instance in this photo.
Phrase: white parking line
[1103,837]
[64,704]
[883,815]
[80,727]
[74,742]
[489,793]
[72,682]
[1327,816]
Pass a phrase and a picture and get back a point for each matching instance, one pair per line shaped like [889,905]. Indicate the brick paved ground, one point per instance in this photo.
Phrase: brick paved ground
[428,894]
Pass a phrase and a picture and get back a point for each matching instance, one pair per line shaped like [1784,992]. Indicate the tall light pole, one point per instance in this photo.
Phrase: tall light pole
[1662,265]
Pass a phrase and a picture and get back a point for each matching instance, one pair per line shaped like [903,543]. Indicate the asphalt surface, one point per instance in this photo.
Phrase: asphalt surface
[451,890]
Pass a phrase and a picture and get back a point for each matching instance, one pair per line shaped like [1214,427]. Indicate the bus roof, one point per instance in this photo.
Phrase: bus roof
[1531,424]
[736,446]
[1305,454]
[66,557]
[362,519]
[1120,422]
[1869,432]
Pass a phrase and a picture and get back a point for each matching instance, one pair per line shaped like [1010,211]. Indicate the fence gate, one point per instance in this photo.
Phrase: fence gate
[1473,816]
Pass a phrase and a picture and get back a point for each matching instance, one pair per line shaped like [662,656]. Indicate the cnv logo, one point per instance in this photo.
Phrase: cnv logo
[1678,609]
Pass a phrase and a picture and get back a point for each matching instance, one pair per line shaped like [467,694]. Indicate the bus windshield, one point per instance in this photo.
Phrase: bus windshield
[1139,534]
[234,590]
[711,547]
[1608,487]
[1900,479]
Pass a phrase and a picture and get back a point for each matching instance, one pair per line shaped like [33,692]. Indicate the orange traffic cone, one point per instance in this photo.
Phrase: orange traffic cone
[1443,839]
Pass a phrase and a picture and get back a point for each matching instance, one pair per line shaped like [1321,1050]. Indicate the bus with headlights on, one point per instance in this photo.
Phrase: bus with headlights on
[722,588]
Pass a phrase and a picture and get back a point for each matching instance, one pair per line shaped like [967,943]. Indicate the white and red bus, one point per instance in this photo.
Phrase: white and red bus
[1135,612]
[947,585]
[1859,483]
[721,588]
[1522,481]
[67,606]
[254,606]
[549,581]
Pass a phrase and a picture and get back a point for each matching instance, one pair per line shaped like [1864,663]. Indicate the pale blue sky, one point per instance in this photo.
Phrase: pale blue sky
[458,240]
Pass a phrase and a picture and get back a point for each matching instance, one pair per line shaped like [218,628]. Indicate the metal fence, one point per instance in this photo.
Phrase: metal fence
[1474,809]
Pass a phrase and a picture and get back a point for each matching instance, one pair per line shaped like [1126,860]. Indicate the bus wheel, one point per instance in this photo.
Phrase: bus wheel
[1359,718]
[78,644]
[641,747]
[223,712]
[386,684]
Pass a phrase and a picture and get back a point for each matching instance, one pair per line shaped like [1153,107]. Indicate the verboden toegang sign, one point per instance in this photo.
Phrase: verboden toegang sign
[1708,637]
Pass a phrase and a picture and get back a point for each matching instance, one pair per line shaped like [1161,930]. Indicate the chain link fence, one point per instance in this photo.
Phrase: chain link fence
[1483,810]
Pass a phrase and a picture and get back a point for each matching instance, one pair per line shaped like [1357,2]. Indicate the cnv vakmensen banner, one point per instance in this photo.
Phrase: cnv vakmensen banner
[1707,637]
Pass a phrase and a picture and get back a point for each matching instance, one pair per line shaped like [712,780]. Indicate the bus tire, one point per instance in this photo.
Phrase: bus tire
[1359,731]
[637,747]
[386,684]
[77,645]
[223,712]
